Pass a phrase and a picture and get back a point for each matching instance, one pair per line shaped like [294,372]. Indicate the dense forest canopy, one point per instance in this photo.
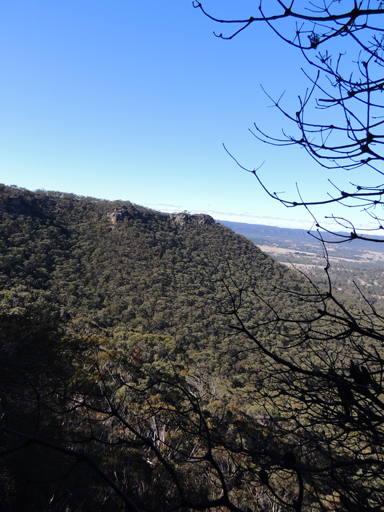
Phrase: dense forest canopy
[162,362]
[115,262]
[86,280]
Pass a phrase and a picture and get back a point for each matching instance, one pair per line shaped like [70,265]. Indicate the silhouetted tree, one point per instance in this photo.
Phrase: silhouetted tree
[320,389]
[321,371]
[343,44]
[118,427]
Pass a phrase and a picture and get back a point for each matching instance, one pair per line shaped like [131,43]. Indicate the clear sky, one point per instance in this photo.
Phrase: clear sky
[131,100]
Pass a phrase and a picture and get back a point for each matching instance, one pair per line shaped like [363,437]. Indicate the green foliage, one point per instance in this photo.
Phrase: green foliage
[119,264]
[124,384]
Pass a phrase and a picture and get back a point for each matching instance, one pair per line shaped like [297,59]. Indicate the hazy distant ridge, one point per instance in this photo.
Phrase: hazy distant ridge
[261,234]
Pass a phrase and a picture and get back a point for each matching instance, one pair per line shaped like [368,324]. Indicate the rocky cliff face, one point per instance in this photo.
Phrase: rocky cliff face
[186,218]
[125,211]
[181,219]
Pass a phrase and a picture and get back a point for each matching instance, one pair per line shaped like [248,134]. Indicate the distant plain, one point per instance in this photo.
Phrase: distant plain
[356,268]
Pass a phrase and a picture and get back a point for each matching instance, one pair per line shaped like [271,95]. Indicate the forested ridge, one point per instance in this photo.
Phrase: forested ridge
[118,263]
[130,378]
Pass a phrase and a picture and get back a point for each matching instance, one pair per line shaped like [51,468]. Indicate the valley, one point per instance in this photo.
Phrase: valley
[358,262]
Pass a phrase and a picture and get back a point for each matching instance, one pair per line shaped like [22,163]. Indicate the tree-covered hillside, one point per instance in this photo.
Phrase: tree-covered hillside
[119,263]
[154,362]
[78,274]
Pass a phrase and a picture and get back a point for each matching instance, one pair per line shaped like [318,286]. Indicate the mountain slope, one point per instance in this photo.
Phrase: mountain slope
[125,386]
[118,263]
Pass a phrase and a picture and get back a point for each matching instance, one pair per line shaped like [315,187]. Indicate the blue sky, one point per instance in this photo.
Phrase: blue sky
[133,100]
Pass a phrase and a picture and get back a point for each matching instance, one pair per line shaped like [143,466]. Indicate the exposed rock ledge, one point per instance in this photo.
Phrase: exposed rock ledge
[120,213]
[186,218]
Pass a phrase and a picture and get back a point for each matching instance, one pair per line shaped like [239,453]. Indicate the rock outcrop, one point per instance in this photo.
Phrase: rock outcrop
[186,218]
[124,211]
